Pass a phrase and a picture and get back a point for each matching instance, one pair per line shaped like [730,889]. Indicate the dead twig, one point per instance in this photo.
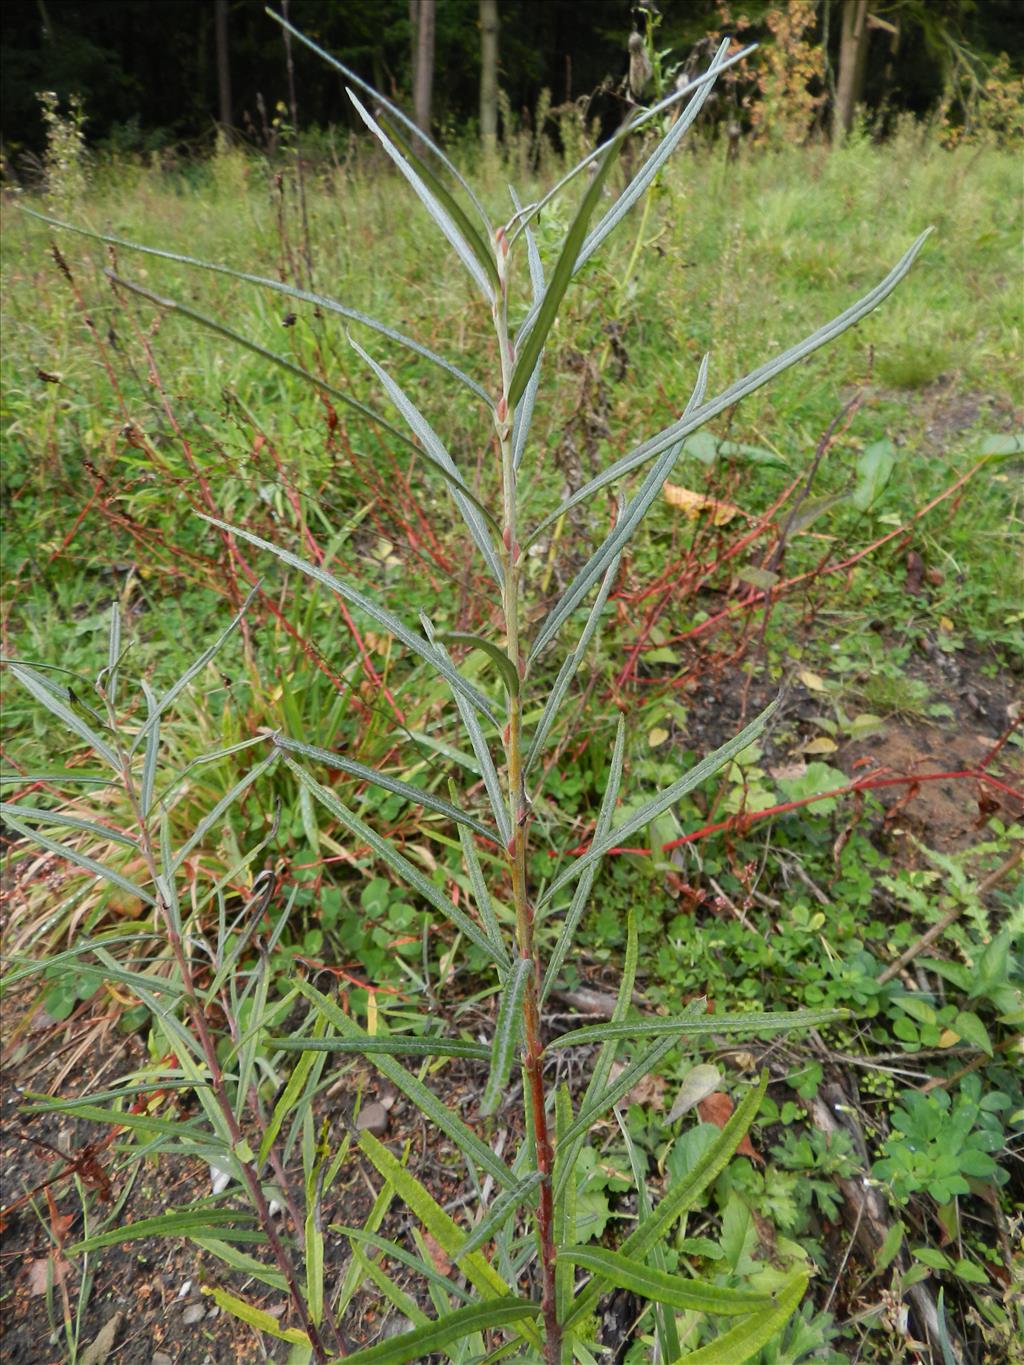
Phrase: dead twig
[951,916]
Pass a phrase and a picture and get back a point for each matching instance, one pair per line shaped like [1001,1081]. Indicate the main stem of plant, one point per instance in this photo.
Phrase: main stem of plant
[520,813]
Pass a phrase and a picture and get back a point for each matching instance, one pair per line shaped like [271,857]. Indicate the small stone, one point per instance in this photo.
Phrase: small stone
[194,1313]
[161,1358]
[373,1118]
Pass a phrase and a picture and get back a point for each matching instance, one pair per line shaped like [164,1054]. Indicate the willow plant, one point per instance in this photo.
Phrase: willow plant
[521,1254]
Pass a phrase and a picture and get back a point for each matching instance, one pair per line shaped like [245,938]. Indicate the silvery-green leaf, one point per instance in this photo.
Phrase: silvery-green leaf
[645,176]
[107,874]
[625,526]
[475,515]
[392,109]
[416,795]
[686,425]
[429,201]
[532,335]
[567,933]
[411,875]
[278,287]
[384,618]
[173,306]
[507,1032]
[699,773]
[641,120]
[59,703]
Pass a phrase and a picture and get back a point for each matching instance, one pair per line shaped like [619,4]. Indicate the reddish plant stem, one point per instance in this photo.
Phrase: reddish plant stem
[741,823]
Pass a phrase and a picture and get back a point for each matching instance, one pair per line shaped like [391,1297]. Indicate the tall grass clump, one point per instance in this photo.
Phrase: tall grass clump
[522,1283]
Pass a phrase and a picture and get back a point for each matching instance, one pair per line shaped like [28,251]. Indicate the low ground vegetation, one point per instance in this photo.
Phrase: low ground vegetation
[850,535]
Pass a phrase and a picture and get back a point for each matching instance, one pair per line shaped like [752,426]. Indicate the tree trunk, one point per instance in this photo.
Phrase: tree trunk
[422,15]
[853,65]
[220,10]
[489,76]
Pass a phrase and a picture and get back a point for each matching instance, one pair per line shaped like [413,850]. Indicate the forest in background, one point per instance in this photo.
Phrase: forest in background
[159,74]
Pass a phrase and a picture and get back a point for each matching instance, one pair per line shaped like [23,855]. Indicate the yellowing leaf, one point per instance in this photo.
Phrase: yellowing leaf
[812,681]
[945,624]
[821,745]
[692,504]
[947,1038]
[657,736]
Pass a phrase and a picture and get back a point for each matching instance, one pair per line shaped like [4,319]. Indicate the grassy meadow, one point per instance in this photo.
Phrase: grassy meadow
[873,491]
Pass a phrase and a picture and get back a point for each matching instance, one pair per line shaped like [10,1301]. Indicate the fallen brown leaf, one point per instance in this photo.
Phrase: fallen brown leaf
[692,504]
[717,1109]
[438,1255]
[40,1272]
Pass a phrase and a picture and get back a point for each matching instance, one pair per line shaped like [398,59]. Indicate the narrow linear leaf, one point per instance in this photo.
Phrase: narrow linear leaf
[699,773]
[571,664]
[622,532]
[688,1025]
[463,1322]
[246,343]
[35,815]
[242,1261]
[474,513]
[392,109]
[394,1046]
[580,900]
[417,795]
[681,1195]
[482,897]
[143,1123]
[176,688]
[209,1222]
[523,417]
[109,674]
[564,1222]
[481,249]
[429,201]
[445,1231]
[409,1258]
[529,348]
[411,875]
[666,1333]
[655,111]
[212,818]
[500,1212]
[406,1305]
[424,1099]
[60,708]
[152,754]
[108,874]
[629,1076]
[255,1317]
[384,618]
[742,388]
[507,1031]
[277,286]
[656,1286]
[294,1088]
[73,775]
[645,176]
[482,751]
[743,1342]
[505,666]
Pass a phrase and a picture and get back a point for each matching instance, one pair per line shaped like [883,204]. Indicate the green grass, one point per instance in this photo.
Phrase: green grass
[741,260]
